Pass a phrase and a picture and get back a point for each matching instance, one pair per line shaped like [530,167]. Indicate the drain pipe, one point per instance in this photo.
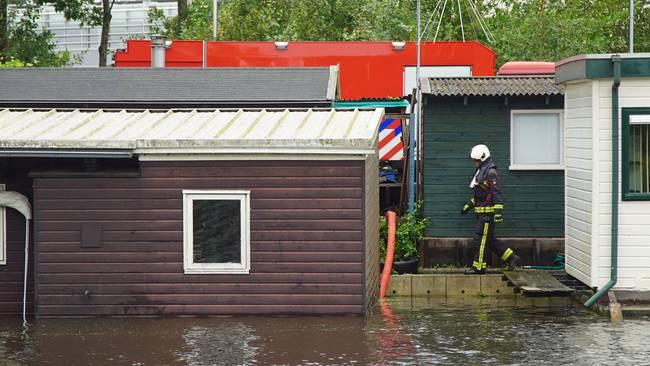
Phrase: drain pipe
[616,65]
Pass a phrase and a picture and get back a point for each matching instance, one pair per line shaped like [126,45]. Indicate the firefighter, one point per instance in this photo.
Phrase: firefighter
[487,203]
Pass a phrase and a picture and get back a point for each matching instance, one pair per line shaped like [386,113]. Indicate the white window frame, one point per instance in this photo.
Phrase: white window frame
[189,267]
[3,232]
[559,166]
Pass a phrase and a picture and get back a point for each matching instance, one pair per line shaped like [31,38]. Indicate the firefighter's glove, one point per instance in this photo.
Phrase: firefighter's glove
[465,209]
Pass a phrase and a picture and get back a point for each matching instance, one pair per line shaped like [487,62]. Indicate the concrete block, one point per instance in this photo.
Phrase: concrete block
[494,285]
[399,285]
[463,285]
[429,285]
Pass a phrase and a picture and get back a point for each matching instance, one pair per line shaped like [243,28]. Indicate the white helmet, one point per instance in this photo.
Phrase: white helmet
[480,152]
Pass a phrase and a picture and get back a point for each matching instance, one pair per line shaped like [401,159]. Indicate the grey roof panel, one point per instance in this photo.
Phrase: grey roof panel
[166,85]
[492,86]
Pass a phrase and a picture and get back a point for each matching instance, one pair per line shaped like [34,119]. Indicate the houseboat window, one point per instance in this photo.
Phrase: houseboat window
[216,231]
[536,140]
[3,232]
[636,153]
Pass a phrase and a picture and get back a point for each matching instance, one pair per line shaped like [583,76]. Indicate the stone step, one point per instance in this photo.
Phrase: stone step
[449,285]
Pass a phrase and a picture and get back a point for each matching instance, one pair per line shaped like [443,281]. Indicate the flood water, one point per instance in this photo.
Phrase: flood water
[404,332]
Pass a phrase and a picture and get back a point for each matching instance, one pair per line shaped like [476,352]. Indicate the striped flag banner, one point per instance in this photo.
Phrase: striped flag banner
[391,146]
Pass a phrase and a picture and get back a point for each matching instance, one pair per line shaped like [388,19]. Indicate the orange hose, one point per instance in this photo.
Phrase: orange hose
[390,253]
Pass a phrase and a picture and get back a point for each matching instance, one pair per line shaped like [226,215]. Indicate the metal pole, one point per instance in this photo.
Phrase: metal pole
[413,121]
[631,35]
[215,18]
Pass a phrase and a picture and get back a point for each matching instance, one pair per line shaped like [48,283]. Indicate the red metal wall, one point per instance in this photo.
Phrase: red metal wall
[366,69]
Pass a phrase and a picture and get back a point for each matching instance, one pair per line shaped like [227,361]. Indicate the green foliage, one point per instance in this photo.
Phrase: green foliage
[409,230]
[12,63]
[28,45]
[549,30]
[197,25]
[87,12]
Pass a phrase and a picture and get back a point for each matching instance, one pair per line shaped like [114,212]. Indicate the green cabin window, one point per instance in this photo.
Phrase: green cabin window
[536,139]
[216,231]
[636,154]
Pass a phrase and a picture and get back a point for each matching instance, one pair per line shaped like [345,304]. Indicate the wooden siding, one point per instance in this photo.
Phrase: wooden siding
[11,274]
[634,216]
[307,238]
[371,210]
[534,200]
[578,121]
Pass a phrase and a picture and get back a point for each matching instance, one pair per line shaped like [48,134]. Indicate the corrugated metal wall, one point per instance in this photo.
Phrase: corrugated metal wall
[307,238]
[534,204]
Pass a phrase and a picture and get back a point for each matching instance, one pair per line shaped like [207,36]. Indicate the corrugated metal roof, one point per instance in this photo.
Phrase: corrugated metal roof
[167,86]
[491,86]
[305,131]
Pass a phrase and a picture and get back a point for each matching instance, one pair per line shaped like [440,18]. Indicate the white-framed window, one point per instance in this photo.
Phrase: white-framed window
[216,231]
[3,232]
[536,139]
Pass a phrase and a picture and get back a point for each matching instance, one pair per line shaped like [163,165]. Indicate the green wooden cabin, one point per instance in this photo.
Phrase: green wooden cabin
[521,120]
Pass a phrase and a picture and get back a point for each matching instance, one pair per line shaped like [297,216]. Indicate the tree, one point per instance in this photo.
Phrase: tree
[4,23]
[547,30]
[88,12]
[181,5]
[27,45]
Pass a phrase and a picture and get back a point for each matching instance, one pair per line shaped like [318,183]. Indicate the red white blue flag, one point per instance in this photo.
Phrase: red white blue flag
[391,146]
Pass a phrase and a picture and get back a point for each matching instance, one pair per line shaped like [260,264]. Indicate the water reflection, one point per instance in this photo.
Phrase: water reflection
[499,331]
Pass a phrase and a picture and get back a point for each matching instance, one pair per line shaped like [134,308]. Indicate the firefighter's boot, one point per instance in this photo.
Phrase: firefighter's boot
[513,262]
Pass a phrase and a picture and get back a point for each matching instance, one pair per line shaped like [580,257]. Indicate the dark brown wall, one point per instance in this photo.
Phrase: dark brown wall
[306,241]
[14,176]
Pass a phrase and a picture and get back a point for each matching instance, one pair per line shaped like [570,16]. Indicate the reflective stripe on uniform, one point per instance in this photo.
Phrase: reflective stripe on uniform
[506,254]
[488,209]
[484,209]
[480,265]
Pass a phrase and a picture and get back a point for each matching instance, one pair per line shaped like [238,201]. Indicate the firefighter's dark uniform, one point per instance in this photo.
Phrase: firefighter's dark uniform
[487,203]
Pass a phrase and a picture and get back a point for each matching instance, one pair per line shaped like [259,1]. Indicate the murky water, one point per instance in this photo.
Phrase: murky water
[420,332]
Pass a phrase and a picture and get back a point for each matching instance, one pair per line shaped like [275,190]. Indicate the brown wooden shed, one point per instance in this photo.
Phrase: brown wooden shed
[195,211]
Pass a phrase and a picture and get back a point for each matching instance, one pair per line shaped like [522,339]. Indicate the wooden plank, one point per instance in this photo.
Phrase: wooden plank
[214,182]
[177,267]
[201,299]
[265,171]
[148,221]
[536,282]
[167,257]
[172,246]
[240,164]
[167,193]
[155,310]
[200,288]
[180,278]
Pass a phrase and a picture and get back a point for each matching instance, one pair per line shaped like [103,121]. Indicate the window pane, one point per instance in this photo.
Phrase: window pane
[536,138]
[639,158]
[217,231]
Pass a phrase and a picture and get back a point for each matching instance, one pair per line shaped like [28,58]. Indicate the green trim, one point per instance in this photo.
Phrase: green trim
[625,131]
[582,68]
[372,104]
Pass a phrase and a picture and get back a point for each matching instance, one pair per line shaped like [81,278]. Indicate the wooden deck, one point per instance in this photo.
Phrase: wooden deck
[537,283]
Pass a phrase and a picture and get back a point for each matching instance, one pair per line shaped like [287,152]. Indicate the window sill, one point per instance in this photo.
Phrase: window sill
[536,167]
[216,271]
[636,197]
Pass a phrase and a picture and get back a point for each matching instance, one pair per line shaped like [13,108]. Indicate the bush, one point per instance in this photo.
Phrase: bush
[409,230]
